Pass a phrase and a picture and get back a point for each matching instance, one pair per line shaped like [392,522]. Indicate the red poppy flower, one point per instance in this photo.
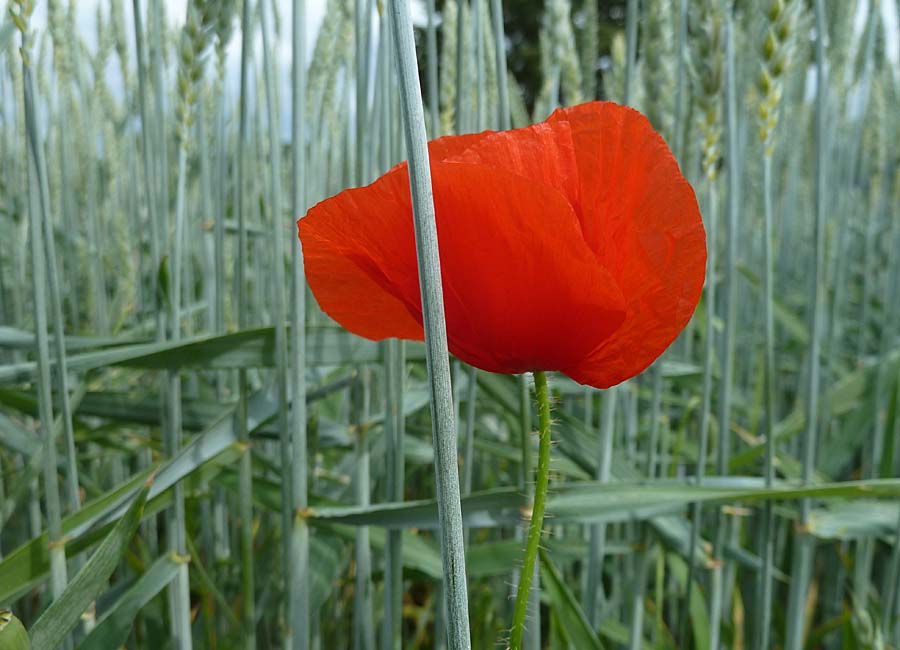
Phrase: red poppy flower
[573,245]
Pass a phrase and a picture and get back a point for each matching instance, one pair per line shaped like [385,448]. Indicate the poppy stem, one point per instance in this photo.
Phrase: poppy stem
[537,510]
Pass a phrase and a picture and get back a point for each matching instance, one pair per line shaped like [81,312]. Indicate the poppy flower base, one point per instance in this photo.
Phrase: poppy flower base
[537,510]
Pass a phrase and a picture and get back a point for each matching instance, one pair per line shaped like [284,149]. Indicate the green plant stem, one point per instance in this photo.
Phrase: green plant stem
[597,536]
[221,182]
[150,532]
[537,510]
[527,488]
[878,458]
[431,54]
[679,79]
[436,356]
[655,412]
[281,354]
[631,26]
[97,275]
[206,205]
[636,620]
[631,37]
[865,85]
[477,32]
[500,55]
[360,39]
[709,295]
[460,65]
[394,371]
[765,603]
[469,446]
[176,523]
[299,590]
[394,429]
[245,470]
[524,433]
[146,157]
[157,68]
[804,543]
[892,582]
[59,345]
[532,633]
[729,295]
[37,211]
[363,623]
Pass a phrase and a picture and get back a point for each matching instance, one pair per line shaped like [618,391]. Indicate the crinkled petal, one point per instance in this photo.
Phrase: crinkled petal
[574,245]
[522,291]
[353,245]
[359,247]
[640,217]
[453,145]
[544,153]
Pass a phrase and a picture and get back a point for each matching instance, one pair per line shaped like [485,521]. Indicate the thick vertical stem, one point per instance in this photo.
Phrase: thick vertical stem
[437,361]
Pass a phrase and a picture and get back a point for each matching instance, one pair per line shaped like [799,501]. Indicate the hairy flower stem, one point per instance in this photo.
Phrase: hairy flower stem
[537,510]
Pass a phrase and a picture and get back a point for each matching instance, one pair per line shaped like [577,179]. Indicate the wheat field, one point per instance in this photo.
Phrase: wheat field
[193,454]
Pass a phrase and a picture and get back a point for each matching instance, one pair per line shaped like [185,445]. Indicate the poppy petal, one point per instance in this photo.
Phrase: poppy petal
[348,241]
[347,257]
[454,145]
[641,218]
[585,217]
[544,153]
[521,289]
